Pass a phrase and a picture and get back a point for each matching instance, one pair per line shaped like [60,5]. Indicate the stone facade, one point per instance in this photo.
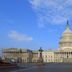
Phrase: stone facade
[48,56]
[35,57]
[17,55]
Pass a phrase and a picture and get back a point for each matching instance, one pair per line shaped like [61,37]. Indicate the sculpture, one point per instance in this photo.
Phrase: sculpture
[40,59]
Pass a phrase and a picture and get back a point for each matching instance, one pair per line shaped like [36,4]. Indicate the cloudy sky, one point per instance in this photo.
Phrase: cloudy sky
[33,23]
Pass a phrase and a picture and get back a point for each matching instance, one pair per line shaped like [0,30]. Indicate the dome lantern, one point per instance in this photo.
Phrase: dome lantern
[67,26]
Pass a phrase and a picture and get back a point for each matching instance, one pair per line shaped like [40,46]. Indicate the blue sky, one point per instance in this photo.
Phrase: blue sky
[33,23]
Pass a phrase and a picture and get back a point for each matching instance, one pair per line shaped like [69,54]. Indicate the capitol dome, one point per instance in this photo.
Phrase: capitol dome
[66,39]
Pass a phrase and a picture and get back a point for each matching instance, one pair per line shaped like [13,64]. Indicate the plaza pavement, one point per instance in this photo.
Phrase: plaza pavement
[50,67]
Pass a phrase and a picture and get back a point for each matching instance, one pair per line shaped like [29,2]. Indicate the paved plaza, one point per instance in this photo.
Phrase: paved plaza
[51,67]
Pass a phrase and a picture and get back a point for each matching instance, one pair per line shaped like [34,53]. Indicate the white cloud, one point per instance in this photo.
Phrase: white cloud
[59,20]
[68,1]
[35,3]
[18,36]
[50,11]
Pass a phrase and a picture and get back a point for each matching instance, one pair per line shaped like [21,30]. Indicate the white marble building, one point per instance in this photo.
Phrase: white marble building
[63,54]
[65,45]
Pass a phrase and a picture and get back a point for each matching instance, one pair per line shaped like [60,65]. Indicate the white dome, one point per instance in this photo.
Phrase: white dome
[66,39]
[66,36]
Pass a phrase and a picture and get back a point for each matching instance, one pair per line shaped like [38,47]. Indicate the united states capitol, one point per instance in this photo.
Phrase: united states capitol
[62,54]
